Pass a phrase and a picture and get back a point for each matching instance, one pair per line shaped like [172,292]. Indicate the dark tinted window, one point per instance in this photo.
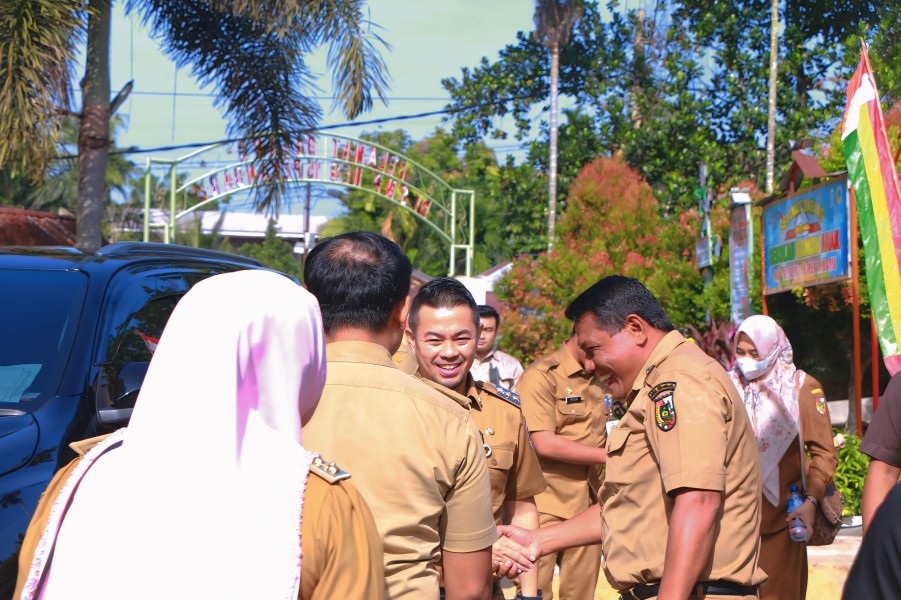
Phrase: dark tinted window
[137,309]
[39,313]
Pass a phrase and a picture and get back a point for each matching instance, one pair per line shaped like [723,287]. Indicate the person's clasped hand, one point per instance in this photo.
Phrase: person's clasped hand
[515,551]
[806,512]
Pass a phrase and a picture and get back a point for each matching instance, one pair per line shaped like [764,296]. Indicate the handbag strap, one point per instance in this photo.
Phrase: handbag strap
[799,376]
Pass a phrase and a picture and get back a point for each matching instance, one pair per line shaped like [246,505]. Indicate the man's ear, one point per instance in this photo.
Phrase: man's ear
[400,313]
[637,329]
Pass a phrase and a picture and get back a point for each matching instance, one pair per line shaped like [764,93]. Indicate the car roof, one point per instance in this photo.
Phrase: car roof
[112,255]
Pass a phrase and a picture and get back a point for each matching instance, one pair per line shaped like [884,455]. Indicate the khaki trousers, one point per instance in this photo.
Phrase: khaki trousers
[579,568]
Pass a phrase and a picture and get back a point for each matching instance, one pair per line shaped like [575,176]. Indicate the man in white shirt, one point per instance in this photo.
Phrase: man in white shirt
[490,363]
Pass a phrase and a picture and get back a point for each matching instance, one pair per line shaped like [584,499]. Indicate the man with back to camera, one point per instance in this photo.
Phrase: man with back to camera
[415,454]
[681,500]
[443,327]
[491,364]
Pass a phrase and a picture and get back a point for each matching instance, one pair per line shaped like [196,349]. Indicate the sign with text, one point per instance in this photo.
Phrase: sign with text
[702,253]
[806,238]
[740,252]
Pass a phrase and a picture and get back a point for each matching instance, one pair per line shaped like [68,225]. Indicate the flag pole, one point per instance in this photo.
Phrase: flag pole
[855,310]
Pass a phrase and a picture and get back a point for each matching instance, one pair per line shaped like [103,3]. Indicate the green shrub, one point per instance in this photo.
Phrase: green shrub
[851,472]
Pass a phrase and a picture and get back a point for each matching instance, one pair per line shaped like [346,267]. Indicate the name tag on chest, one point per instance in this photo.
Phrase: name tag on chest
[573,399]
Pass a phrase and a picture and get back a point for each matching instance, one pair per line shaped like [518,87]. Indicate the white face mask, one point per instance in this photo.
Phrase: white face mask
[750,368]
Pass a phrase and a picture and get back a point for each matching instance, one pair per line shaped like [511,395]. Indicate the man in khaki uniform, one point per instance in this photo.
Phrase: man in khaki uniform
[681,500]
[415,454]
[565,408]
[443,328]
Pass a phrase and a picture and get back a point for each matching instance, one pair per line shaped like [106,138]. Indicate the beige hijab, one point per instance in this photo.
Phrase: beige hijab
[203,497]
[771,399]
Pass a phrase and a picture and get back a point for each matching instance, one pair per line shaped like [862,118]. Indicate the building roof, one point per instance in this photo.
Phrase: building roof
[234,224]
[22,227]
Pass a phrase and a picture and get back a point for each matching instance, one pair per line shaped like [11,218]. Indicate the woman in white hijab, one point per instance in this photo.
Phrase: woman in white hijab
[206,493]
[779,397]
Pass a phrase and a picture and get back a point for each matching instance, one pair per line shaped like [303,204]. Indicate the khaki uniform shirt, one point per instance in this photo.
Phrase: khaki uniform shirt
[816,427]
[512,462]
[557,395]
[685,427]
[509,370]
[416,458]
[340,546]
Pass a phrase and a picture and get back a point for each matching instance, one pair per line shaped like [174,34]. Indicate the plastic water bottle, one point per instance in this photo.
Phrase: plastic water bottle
[796,529]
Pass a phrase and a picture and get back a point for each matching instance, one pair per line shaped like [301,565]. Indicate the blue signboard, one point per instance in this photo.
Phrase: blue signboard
[806,238]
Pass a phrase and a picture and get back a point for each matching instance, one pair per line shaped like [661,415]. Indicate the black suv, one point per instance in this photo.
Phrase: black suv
[77,331]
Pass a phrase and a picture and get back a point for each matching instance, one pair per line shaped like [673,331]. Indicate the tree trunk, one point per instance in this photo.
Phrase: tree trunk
[771,109]
[552,165]
[93,134]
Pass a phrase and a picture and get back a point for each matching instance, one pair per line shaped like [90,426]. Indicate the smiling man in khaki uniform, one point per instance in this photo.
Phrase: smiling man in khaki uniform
[415,454]
[564,405]
[443,327]
[681,500]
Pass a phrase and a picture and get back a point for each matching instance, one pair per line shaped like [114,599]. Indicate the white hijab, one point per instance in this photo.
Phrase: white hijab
[203,498]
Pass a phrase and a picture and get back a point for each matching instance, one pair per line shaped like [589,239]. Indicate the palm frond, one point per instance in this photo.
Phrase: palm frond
[253,54]
[38,39]
[554,20]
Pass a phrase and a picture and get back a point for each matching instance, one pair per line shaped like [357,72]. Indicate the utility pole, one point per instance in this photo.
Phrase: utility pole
[771,108]
[306,225]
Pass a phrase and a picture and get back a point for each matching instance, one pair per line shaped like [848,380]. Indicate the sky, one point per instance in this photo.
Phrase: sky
[429,39]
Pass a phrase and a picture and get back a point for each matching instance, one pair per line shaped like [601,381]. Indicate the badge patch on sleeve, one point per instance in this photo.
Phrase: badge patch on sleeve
[821,405]
[664,408]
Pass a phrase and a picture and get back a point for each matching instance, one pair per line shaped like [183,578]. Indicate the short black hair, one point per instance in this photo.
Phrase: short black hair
[358,278]
[488,311]
[443,292]
[614,298]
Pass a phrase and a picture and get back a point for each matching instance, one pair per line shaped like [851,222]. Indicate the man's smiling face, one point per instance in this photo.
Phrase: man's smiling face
[617,358]
[445,344]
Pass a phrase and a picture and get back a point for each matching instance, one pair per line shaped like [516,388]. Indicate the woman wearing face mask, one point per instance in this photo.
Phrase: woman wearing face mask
[779,397]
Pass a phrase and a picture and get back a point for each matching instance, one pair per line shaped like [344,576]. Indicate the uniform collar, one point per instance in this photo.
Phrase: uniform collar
[663,349]
[489,356]
[464,401]
[359,352]
[569,363]
[473,391]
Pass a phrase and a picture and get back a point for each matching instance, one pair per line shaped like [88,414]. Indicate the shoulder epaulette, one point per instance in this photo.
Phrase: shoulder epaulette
[329,471]
[501,392]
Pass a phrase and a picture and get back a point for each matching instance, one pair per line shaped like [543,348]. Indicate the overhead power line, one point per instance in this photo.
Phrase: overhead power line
[421,115]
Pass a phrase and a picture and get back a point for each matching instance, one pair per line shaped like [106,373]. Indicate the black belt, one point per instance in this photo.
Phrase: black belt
[714,588]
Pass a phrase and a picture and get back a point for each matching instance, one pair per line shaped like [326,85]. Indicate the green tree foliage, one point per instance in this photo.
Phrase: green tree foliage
[686,84]
[59,189]
[274,252]
[612,225]
[251,51]
[436,152]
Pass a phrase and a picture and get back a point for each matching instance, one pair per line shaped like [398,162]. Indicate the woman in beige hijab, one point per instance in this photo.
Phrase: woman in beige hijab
[782,401]
[208,493]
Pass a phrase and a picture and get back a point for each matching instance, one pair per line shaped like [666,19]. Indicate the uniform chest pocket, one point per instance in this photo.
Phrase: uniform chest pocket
[616,440]
[571,410]
[617,463]
[501,458]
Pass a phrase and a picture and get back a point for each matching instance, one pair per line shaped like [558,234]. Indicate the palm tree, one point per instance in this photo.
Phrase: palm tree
[251,51]
[554,20]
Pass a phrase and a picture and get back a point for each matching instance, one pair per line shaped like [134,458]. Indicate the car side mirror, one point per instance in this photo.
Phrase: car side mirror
[116,405]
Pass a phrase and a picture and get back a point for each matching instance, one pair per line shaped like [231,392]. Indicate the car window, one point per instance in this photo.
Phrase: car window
[39,315]
[134,317]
